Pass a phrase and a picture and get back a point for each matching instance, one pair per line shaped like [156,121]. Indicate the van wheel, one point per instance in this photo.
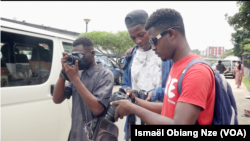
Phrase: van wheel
[119,80]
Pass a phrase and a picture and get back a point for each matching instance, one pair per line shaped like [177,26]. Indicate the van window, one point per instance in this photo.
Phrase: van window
[226,63]
[67,47]
[25,60]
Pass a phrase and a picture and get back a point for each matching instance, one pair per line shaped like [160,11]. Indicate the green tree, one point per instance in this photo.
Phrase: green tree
[227,52]
[242,18]
[241,23]
[116,43]
[196,51]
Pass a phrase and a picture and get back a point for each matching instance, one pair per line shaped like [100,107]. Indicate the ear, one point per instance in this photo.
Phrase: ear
[93,53]
[172,33]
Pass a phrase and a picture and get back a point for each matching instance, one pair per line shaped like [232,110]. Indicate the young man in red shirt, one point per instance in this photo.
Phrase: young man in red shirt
[166,31]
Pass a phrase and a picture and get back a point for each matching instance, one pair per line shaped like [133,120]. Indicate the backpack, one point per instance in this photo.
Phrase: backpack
[103,129]
[225,110]
[128,56]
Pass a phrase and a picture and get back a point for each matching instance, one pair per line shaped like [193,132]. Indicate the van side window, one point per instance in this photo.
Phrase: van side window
[25,60]
[67,47]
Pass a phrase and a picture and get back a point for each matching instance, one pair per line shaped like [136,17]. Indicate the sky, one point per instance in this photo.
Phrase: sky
[204,21]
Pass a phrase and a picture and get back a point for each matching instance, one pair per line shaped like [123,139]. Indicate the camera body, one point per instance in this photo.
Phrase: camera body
[71,59]
[142,94]
[119,95]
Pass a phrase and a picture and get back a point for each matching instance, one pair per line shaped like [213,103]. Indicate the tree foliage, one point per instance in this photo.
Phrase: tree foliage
[196,51]
[241,23]
[242,18]
[240,40]
[109,43]
[228,52]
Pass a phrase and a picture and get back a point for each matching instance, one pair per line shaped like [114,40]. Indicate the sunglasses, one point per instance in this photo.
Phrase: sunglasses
[153,41]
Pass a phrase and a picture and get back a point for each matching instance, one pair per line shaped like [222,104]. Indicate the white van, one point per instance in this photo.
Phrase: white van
[229,64]
[30,67]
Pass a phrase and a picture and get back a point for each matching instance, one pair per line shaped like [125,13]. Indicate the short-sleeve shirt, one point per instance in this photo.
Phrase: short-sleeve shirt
[198,88]
[221,68]
[146,71]
[99,81]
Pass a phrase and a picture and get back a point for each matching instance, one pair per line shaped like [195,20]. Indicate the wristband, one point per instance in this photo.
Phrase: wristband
[64,76]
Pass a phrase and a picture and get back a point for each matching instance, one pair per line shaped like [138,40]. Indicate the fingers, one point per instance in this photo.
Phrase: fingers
[66,66]
[113,103]
[128,89]
[131,93]
[147,99]
[65,54]
[76,65]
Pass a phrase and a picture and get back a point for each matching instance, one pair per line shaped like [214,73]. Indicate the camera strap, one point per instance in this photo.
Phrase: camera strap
[82,109]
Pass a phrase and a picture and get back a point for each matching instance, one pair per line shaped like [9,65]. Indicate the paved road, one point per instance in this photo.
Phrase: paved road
[241,101]
[239,94]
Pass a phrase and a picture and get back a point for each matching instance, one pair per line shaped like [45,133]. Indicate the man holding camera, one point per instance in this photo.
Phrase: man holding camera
[166,31]
[87,81]
[145,70]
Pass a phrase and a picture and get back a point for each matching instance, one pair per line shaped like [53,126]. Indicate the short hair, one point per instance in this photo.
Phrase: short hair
[162,19]
[85,41]
[219,62]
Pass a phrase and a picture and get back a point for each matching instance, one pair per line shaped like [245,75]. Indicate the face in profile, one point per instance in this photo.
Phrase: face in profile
[163,47]
[139,36]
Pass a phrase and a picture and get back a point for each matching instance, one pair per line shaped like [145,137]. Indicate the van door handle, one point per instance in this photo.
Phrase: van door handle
[52,89]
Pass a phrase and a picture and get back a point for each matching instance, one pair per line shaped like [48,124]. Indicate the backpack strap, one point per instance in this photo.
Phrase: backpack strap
[128,56]
[190,64]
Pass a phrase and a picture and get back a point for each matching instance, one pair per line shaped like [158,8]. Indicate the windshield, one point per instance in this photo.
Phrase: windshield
[226,63]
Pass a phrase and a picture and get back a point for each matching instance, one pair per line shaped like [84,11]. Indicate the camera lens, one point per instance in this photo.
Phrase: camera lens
[70,60]
[111,113]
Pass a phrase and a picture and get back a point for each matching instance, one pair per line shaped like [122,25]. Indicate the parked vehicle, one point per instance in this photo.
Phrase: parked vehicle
[214,66]
[107,63]
[229,64]
[30,67]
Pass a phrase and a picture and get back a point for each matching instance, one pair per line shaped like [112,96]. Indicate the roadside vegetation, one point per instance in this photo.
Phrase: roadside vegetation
[246,82]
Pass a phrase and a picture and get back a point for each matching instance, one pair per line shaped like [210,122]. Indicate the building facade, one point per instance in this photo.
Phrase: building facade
[214,51]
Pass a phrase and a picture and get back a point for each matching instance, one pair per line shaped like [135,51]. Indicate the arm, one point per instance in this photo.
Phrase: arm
[125,80]
[58,94]
[158,93]
[89,99]
[196,95]
[187,116]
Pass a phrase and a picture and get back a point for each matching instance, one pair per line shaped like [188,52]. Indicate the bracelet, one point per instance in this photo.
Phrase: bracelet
[64,76]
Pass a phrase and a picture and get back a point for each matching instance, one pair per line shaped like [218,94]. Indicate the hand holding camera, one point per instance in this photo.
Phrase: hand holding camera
[122,102]
[63,60]
[68,61]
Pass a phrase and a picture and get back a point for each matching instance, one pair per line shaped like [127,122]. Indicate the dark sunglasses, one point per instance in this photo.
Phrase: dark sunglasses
[153,41]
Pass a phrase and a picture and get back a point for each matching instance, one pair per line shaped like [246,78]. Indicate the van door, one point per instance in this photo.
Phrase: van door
[30,64]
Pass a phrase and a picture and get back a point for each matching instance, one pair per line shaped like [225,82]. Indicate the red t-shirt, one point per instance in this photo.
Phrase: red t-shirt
[198,88]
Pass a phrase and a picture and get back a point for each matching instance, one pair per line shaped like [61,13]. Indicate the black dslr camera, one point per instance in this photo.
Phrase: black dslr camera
[121,94]
[71,59]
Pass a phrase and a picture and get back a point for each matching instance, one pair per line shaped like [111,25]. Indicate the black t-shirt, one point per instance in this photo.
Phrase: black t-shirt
[221,68]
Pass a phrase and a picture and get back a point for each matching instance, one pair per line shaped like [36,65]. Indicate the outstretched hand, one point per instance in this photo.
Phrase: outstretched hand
[71,72]
[124,108]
